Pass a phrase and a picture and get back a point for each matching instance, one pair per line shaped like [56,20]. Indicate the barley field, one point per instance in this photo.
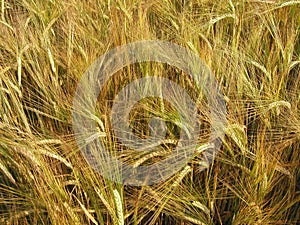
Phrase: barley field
[252,47]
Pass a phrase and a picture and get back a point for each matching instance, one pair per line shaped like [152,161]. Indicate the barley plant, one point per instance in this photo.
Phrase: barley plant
[251,46]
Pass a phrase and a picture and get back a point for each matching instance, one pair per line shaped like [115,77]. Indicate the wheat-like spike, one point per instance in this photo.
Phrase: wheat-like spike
[48,141]
[87,212]
[119,207]
[55,156]
[277,104]
[201,206]
[105,202]
[149,156]
[194,220]
[7,173]
[181,175]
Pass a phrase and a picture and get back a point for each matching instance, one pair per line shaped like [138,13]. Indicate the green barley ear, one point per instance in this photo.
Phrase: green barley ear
[277,105]
[237,133]
[119,207]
